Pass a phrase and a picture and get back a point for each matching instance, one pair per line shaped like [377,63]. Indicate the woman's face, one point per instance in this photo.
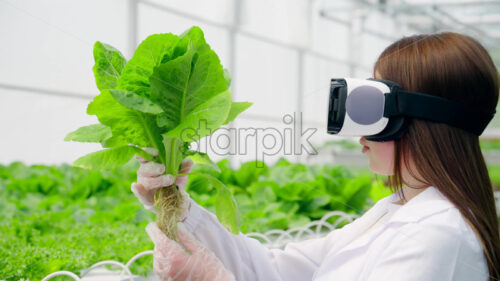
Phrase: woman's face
[380,155]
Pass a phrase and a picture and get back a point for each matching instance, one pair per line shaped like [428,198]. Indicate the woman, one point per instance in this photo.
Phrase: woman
[440,223]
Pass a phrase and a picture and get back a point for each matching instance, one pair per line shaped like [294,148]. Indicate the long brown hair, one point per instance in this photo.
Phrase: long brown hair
[456,67]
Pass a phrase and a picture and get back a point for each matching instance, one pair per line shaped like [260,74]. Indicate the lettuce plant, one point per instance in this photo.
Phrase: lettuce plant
[172,92]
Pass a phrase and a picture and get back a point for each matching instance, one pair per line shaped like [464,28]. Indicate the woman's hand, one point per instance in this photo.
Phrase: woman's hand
[150,178]
[171,262]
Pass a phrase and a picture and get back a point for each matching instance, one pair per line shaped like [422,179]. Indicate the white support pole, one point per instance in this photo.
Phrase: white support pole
[132,26]
[233,32]
[299,107]
[355,40]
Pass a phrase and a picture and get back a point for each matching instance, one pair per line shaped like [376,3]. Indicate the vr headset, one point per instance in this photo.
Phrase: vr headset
[379,110]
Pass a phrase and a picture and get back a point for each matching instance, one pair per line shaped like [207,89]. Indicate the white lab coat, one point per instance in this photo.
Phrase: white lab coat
[425,240]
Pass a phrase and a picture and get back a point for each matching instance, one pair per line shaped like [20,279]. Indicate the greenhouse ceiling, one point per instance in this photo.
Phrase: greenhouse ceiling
[480,18]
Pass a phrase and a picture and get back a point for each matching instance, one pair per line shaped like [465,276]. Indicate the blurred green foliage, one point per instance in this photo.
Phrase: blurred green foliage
[288,195]
[494,172]
[489,144]
[340,145]
[66,218]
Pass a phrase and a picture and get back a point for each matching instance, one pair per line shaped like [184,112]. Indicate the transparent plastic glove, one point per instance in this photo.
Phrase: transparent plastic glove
[150,177]
[171,262]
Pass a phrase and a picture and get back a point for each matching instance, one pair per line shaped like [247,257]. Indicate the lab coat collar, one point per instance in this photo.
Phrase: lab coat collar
[428,202]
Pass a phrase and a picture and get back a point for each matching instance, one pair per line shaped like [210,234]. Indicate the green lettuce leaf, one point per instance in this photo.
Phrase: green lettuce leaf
[200,158]
[90,133]
[204,119]
[227,77]
[193,36]
[109,63]
[190,89]
[236,109]
[226,207]
[114,141]
[134,101]
[110,158]
[134,126]
[152,52]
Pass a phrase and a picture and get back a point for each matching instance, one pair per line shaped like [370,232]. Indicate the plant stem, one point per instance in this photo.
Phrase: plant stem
[169,200]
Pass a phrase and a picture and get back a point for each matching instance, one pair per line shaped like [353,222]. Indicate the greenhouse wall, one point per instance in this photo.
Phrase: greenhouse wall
[281,64]
[281,54]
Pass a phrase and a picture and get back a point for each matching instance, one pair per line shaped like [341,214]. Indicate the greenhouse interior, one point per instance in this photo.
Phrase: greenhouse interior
[249,140]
